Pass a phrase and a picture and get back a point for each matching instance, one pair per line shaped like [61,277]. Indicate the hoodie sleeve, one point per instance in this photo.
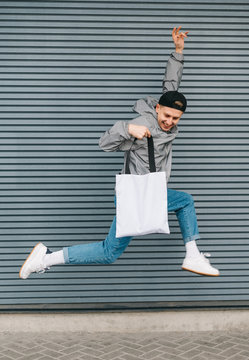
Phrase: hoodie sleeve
[117,138]
[113,139]
[173,72]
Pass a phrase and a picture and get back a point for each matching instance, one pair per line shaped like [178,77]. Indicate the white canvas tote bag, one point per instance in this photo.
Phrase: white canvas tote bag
[141,200]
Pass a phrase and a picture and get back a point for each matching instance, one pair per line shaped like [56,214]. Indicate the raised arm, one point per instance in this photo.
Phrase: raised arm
[174,68]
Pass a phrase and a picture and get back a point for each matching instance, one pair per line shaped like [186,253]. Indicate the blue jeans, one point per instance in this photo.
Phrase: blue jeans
[107,251]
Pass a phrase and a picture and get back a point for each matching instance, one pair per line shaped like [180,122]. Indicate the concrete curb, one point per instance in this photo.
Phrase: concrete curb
[162,321]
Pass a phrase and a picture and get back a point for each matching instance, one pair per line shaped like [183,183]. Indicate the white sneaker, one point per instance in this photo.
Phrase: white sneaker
[200,265]
[34,262]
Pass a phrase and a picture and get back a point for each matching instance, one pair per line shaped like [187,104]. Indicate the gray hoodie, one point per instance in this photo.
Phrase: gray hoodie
[117,137]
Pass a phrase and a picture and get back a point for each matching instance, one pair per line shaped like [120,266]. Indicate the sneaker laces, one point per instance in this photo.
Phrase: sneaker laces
[205,256]
[41,269]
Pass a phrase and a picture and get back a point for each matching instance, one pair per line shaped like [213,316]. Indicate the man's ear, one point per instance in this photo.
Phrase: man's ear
[157,107]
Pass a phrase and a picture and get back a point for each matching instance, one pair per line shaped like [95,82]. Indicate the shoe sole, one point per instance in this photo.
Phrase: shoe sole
[200,273]
[33,252]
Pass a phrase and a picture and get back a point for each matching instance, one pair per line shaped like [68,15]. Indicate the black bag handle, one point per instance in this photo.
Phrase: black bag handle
[151,155]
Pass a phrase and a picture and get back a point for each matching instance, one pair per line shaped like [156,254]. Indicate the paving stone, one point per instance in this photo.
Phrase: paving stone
[54,346]
[238,357]
[112,355]
[237,341]
[169,357]
[92,352]
[90,357]
[115,346]
[72,349]
[15,347]
[229,352]
[131,351]
[224,346]
[152,354]
[34,350]
[70,343]
[198,357]
[209,349]
[35,356]
[129,357]
[242,347]
[11,354]
[150,347]
[191,353]
[142,342]
[168,342]
[171,351]
[51,353]
[111,348]
[187,346]
[73,356]
[220,338]
[131,344]
[211,356]
[245,353]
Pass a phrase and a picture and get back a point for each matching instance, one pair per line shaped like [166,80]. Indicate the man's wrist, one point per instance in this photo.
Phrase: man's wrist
[178,56]
[127,130]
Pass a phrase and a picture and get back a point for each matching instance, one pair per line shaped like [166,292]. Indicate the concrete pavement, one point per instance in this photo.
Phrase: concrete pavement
[199,345]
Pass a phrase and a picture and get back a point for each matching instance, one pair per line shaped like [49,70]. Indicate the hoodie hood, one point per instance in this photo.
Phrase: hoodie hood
[146,105]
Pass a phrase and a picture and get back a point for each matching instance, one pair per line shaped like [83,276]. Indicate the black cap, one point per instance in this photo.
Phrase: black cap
[173,99]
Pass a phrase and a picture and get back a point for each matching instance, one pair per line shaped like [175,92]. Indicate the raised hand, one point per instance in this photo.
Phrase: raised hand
[178,39]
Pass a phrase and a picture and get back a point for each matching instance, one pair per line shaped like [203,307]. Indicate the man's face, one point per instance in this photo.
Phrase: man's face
[167,117]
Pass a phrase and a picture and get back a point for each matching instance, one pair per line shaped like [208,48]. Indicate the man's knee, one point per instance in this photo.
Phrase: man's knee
[188,199]
[110,258]
[114,249]
[111,254]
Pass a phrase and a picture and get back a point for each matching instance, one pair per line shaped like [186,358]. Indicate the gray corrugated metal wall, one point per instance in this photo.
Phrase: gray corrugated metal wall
[69,70]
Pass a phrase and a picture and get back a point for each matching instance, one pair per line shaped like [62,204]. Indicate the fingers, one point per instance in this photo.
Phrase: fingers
[184,34]
[138,131]
[148,134]
[175,32]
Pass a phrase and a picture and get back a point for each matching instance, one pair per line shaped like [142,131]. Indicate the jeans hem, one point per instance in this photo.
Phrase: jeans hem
[191,238]
[66,257]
